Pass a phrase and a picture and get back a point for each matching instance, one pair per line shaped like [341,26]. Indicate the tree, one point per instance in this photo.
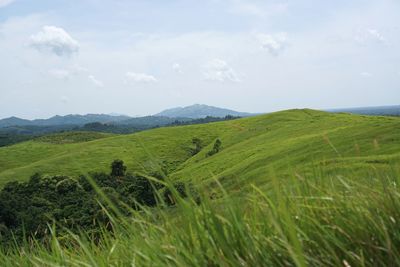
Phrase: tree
[216,148]
[198,146]
[118,168]
[217,145]
[8,215]
[144,191]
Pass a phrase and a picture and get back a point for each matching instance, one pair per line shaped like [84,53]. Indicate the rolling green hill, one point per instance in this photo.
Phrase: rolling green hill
[335,202]
[287,142]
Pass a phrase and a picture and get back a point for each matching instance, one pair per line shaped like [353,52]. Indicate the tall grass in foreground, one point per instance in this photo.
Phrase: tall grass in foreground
[331,221]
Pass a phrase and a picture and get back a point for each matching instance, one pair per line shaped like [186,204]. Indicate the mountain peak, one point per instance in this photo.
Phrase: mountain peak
[197,111]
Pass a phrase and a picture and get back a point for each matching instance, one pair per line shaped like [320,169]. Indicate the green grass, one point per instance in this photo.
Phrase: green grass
[288,141]
[292,188]
[305,221]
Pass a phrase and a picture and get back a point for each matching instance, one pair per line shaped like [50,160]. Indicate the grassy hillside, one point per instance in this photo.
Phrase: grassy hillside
[321,190]
[287,142]
[301,142]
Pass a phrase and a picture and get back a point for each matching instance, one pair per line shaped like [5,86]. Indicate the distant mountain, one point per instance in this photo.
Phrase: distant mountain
[63,120]
[117,114]
[200,111]
[14,121]
[80,119]
[382,110]
[152,121]
[165,117]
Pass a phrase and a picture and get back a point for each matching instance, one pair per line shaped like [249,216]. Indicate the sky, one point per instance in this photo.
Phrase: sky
[138,57]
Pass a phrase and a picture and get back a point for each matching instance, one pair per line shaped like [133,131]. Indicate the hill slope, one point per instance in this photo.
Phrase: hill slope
[287,142]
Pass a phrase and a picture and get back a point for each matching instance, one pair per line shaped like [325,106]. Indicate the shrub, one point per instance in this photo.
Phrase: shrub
[216,148]
[198,146]
[118,168]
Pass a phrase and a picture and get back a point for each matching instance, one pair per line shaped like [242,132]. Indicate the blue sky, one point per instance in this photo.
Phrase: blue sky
[139,57]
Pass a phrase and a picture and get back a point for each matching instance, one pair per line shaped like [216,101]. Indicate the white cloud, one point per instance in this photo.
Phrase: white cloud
[139,77]
[218,70]
[95,81]
[4,3]
[241,7]
[273,43]
[175,93]
[311,61]
[61,74]
[177,68]
[55,40]
[64,99]
[369,35]
[376,35]
[366,74]
[67,73]
[257,8]
[77,69]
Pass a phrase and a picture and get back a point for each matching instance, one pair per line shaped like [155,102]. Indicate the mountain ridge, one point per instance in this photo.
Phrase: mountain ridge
[392,110]
[193,112]
[198,111]
[70,119]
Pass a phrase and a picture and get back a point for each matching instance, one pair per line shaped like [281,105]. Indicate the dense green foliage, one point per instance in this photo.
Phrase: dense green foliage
[10,139]
[71,137]
[114,128]
[55,138]
[28,208]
